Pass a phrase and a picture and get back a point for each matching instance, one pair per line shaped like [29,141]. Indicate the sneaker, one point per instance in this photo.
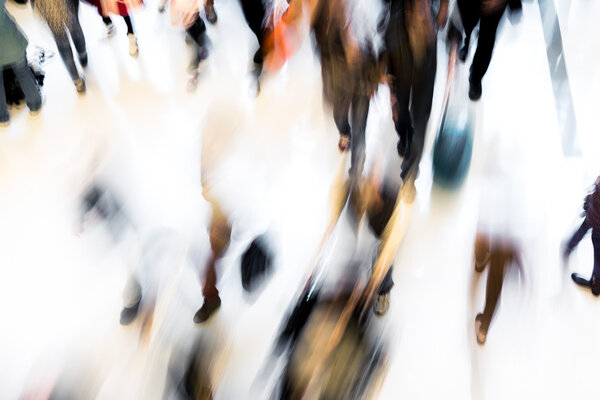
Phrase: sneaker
[475,90]
[207,310]
[80,85]
[162,7]
[192,83]
[480,333]
[83,59]
[133,45]
[110,30]
[128,314]
[382,304]
[211,15]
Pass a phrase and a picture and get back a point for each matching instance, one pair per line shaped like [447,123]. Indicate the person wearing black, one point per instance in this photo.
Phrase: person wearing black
[488,14]
[411,55]
[591,207]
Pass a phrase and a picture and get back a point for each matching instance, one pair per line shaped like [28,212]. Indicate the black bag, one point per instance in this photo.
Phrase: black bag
[256,264]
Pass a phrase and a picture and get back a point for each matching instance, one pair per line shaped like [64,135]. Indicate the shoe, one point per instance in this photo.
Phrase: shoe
[344,143]
[480,333]
[192,83]
[80,85]
[382,304]
[110,30]
[207,310]
[162,7]
[474,90]
[128,314]
[83,59]
[133,45]
[258,57]
[211,15]
[595,285]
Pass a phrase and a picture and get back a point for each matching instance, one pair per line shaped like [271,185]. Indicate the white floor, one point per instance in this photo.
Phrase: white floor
[273,159]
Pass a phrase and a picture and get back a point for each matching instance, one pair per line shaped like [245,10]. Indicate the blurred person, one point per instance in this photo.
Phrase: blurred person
[500,254]
[13,47]
[186,14]
[488,14]
[411,53]
[121,8]
[591,207]
[62,17]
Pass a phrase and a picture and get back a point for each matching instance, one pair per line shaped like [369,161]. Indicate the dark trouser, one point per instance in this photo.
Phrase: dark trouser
[488,26]
[61,36]
[578,236]
[413,89]
[255,13]
[28,86]
[197,32]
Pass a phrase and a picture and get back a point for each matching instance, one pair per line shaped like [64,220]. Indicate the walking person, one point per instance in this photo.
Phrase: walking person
[118,7]
[488,14]
[62,17]
[591,208]
[13,47]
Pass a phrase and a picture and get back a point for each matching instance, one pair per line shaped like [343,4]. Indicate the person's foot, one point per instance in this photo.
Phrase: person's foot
[211,15]
[402,147]
[258,57]
[133,45]
[110,30]
[83,59]
[162,7]
[480,332]
[595,285]
[128,314]
[344,143]
[382,304]
[475,89]
[463,52]
[80,85]
[207,310]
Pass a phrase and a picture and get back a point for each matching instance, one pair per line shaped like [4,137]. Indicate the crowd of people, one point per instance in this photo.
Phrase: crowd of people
[352,71]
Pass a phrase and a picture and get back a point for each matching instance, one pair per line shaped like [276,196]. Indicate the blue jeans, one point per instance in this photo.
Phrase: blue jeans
[28,84]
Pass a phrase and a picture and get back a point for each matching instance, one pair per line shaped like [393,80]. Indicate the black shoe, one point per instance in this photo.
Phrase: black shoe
[128,314]
[207,310]
[475,90]
[258,57]
[83,59]
[463,52]
[211,15]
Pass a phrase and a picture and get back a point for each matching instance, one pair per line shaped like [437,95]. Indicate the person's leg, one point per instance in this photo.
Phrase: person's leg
[422,97]
[254,13]
[4,115]
[360,111]
[129,24]
[197,31]
[33,98]
[469,14]
[498,261]
[482,252]
[596,273]
[66,53]
[341,111]
[400,68]
[576,237]
[78,37]
[488,26]
[209,10]
[220,234]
